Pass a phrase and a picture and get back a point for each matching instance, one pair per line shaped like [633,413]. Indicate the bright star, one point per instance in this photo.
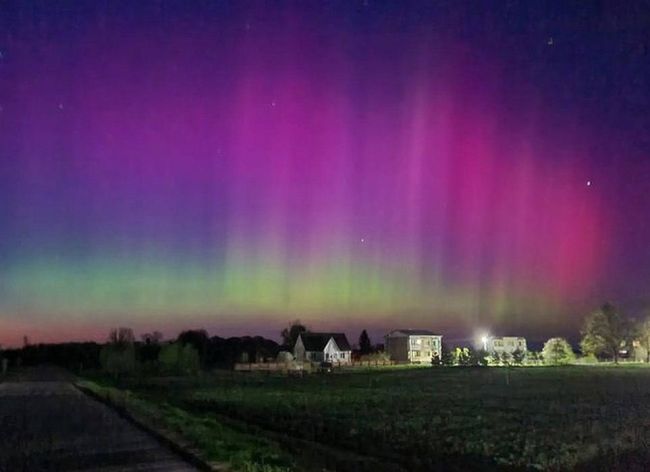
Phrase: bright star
[588,183]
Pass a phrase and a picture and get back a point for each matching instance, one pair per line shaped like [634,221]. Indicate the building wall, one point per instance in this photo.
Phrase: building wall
[423,348]
[507,344]
[332,353]
[299,350]
[639,353]
[397,348]
[315,356]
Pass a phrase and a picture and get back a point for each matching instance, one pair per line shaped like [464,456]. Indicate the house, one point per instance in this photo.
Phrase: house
[504,344]
[323,347]
[413,345]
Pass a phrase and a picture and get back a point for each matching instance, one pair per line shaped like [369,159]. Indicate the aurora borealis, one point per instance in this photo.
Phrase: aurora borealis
[235,165]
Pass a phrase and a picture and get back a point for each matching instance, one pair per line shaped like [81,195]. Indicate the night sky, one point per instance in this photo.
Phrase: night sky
[451,165]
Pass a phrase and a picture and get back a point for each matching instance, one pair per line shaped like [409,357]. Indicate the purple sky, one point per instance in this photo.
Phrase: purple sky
[235,165]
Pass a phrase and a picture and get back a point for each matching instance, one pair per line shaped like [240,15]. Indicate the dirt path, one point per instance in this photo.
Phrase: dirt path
[47,424]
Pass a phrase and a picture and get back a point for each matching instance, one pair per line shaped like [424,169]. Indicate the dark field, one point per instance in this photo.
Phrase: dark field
[586,418]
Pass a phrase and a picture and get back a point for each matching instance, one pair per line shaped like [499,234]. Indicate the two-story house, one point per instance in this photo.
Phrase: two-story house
[323,347]
[413,345]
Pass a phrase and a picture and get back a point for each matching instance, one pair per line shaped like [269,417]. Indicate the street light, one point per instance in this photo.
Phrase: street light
[484,340]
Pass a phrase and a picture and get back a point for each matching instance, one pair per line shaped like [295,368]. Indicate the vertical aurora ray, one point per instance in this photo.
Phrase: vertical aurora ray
[284,166]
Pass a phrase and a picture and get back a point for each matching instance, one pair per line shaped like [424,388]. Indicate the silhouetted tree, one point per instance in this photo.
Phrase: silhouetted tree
[177,358]
[149,350]
[121,337]
[603,333]
[365,346]
[291,333]
[197,338]
[446,355]
[152,338]
[118,355]
[226,352]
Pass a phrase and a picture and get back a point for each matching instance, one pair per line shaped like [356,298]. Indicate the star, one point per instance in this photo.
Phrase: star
[60,106]
[273,103]
[588,183]
[363,240]
[550,41]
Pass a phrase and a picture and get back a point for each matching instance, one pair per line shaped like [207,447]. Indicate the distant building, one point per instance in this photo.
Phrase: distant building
[639,352]
[323,347]
[505,344]
[413,345]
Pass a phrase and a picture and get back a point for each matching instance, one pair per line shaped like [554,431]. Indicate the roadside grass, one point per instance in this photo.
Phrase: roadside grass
[218,444]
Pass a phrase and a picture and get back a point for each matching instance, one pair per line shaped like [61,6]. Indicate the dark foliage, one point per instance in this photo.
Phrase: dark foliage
[199,340]
[365,346]
[224,353]
[73,356]
[291,333]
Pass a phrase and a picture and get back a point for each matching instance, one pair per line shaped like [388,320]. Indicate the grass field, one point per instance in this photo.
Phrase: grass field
[594,418]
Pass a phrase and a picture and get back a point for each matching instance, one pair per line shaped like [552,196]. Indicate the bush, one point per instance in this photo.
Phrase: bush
[495,358]
[557,351]
[375,357]
[519,356]
[118,360]
[176,358]
[479,357]
[461,356]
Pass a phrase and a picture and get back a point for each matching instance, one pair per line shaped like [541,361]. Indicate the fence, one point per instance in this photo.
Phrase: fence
[284,367]
[299,367]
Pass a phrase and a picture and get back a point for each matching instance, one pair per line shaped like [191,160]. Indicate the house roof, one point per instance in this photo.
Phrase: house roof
[318,341]
[413,332]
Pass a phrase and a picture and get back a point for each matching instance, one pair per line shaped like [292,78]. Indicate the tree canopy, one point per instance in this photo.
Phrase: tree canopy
[557,351]
[603,333]
[290,334]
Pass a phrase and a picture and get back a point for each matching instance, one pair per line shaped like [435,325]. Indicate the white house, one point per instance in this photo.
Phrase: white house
[507,344]
[323,347]
[413,345]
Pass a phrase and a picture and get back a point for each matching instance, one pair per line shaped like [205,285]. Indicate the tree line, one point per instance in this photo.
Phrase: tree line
[605,335]
[122,353]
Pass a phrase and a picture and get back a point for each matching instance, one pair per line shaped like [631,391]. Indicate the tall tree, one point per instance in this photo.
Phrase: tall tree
[290,334]
[121,337]
[117,356]
[603,333]
[365,346]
